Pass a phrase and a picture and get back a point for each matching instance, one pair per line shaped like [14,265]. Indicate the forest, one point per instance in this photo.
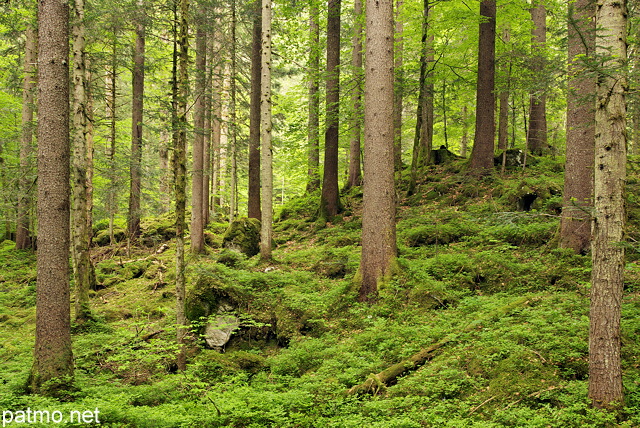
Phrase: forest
[385,213]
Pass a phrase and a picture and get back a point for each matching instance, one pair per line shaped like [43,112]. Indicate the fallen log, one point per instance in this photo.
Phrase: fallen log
[378,382]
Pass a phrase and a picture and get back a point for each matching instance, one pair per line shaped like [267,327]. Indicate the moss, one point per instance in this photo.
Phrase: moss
[104,238]
[243,235]
[158,229]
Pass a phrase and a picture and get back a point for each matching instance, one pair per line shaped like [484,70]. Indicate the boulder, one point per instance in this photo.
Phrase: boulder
[219,329]
[243,235]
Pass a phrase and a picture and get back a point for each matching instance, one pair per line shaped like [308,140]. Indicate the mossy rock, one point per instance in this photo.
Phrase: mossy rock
[159,228]
[331,266]
[103,238]
[230,258]
[243,235]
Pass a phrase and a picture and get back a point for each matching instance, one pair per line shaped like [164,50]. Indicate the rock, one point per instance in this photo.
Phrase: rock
[218,331]
[243,235]
[514,159]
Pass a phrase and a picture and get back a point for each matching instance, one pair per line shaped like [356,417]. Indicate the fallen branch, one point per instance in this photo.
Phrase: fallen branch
[377,382]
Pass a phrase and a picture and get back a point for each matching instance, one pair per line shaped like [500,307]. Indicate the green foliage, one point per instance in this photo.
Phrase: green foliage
[484,277]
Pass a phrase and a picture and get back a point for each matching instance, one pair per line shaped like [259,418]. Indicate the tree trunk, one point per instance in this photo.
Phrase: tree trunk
[503,98]
[464,142]
[266,225]
[355,178]
[206,180]
[537,136]
[137,106]
[53,360]
[25,200]
[378,216]
[233,126]
[482,152]
[330,199]
[253,202]
[216,127]
[398,86]
[80,233]
[180,93]
[423,135]
[575,226]
[313,138]
[197,182]
[111,87]
[605,372]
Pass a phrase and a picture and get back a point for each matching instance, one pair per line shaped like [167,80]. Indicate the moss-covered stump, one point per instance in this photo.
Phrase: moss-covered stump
[243,235]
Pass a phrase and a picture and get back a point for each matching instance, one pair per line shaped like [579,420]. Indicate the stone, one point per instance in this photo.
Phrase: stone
[243,235]
[218,331]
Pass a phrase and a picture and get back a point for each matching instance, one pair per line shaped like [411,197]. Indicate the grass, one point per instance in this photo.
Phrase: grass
[474,270]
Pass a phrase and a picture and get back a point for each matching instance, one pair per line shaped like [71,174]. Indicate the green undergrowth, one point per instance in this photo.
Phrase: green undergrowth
[478,271]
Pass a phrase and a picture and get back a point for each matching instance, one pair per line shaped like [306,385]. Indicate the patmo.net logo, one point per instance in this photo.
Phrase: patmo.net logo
[28,416]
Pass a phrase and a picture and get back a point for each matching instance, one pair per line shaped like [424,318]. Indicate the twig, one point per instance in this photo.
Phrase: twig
[482,404]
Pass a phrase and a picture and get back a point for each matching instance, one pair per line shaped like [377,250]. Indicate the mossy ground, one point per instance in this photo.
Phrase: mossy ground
[467,251]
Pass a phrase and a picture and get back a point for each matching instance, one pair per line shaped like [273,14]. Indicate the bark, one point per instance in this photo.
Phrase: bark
[111,96]
[180,93]
[378,216]
[503,99]
[266,225]
[53,360]
[253,202]
[216,127]
[233,127]
[464,142]
[330,199]
[398,86]
[482,152]
[197,181]
[206,179]
[575,225]
[537,135]
[80,232]
[423,136]
[25,199]
[605,372]
[135,185]
[355,177]
[313,138]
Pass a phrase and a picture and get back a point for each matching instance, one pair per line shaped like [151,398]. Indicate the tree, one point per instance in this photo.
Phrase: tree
[53,360]
[180,91]
[23,238]
[313,136]
[378,216]
[423,137]
[133,218]
[197,182]
[81,231]
[266,225]
[605,372]
[575,226]
[330,199]
[537,135]
[483,144]
[503,97]
[253,206]
[355,177]
[233,126]
[398,85]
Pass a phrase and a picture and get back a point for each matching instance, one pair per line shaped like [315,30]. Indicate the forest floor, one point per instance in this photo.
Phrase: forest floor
[480,276]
